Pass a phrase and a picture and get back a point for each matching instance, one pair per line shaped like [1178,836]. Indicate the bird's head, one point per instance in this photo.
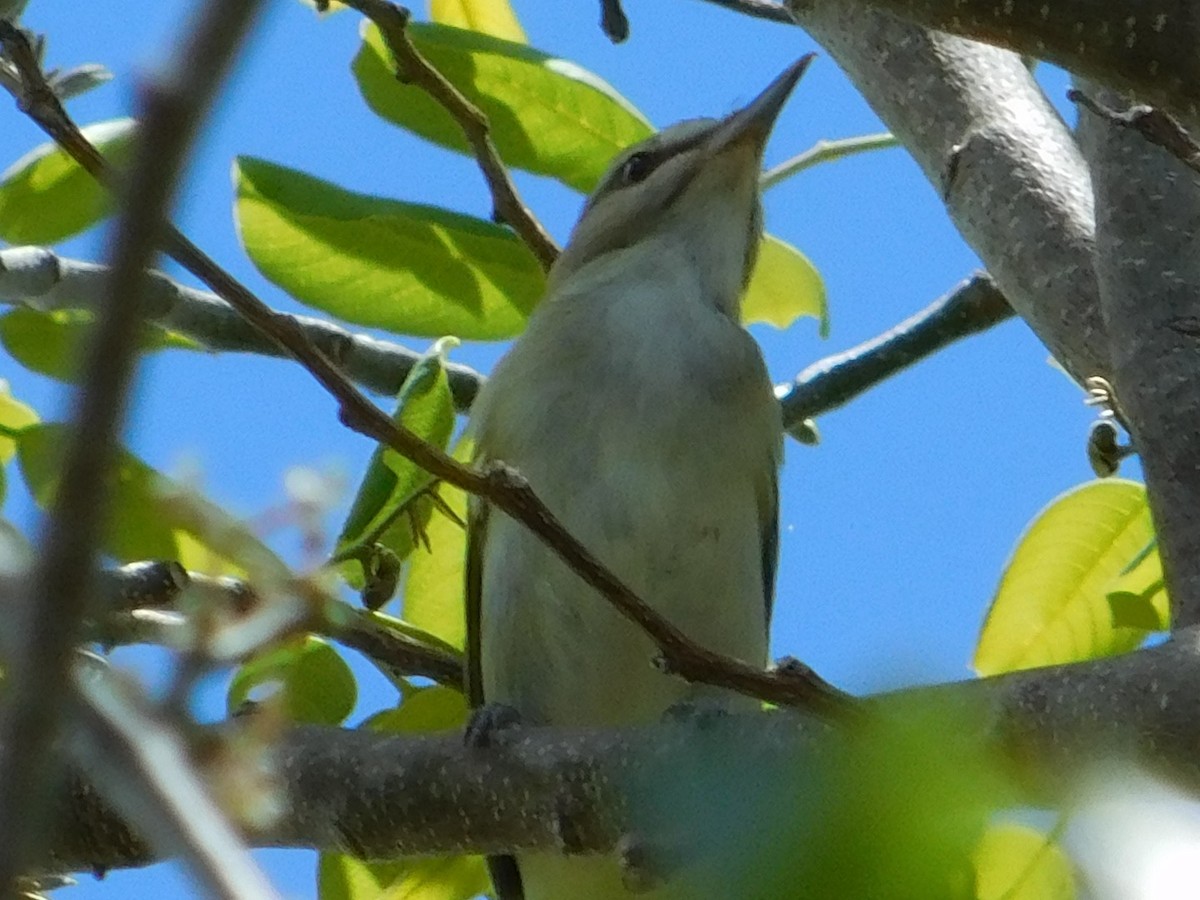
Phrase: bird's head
[691,188]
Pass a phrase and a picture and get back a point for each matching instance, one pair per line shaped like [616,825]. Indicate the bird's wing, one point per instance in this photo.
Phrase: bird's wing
[477,518]
[768,529]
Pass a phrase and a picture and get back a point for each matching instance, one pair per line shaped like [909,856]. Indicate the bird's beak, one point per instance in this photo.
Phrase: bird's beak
[751,125]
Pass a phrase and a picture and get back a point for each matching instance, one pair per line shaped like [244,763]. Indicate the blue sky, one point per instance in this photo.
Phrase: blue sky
[894,530]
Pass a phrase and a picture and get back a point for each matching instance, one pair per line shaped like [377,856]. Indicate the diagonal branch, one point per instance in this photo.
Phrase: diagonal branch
[974,306]
[413,68]
[499,485]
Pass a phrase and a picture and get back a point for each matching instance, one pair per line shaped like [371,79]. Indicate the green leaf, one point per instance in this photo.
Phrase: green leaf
[52,343]
[402,267]
[316,684]
[342,877]
[152,517]
[1013,862]
[425,407]
[547,115]
[426,710]
[14,417]
[1138,597]
[433,591]
[1051,606]
[45,196]
[494,17]
[784,286]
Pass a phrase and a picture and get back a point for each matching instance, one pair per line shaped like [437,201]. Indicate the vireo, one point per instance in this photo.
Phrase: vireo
[641,413]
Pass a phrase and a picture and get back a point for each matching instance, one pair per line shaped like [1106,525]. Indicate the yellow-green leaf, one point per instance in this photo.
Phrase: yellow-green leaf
[152,517]
[52,343]
[1013,862]
[1138,597]
[548,116]
[14,416]
[1051,606]
[426,710]
[433,591]
[783,287]
[403,267]
[426,408]
[440,878]
[317,685]
[45,196]
[494,17]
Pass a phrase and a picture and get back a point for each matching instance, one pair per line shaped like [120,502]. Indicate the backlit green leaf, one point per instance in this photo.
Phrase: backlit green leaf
[45,196]
[426,710]
[342,877]
[52,343]
[547,115]
[403,267]
[433,591]
[152,517]
[494,17]
[1051,605]
[1014,862]
[1138,597]
[384,511]
[783,287]
[316,684]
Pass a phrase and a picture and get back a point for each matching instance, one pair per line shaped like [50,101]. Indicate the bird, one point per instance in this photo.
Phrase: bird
[641,412]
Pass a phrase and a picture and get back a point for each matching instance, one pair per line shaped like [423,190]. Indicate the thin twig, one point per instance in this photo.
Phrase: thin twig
[499,485]
[975,305]
[826,151]
[61,586]
[413,68]
[157,584]
[1155,125]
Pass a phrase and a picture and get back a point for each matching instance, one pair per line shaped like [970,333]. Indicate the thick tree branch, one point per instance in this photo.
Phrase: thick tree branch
[974,306]
[60,588]
[1148,264]
[413,68]
[997,153]
[40,279]
[379,796]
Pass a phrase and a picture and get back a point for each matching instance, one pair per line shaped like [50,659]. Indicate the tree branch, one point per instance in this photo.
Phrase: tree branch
[973,306]
[60,589]
[1148,264]
[998,154]
[40,279]
[413,68]
[380,796]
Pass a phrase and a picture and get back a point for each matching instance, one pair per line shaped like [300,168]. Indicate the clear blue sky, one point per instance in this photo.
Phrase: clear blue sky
[894,531]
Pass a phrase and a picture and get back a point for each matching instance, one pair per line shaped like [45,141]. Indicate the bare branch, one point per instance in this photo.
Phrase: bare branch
[996,152]
[380,796]
[973,306]
[1148,265]
[413,68]
[759,9]
[1153,124]
[40,279]
[61,585]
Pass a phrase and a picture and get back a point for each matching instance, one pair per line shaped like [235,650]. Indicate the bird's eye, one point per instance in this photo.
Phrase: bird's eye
[636,168]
